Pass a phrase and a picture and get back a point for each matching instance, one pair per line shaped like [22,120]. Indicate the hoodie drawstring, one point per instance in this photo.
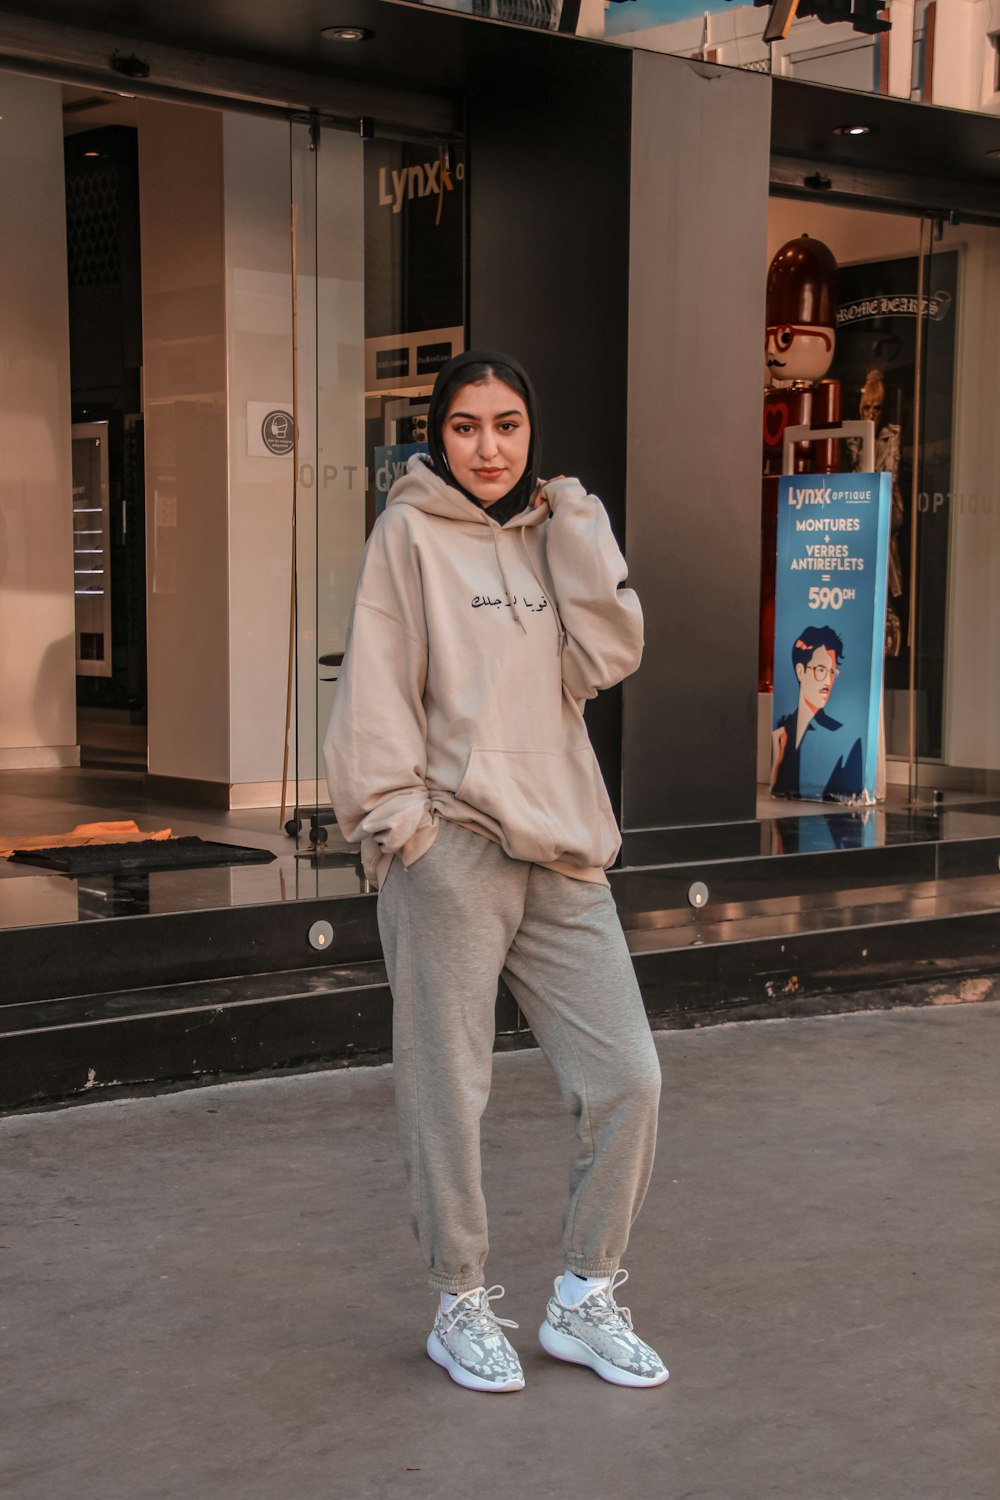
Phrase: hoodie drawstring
[545,591]
[494,531]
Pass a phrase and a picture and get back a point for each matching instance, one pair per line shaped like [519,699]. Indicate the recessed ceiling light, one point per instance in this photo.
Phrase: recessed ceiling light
[852,130]
[91,153]
[347,34]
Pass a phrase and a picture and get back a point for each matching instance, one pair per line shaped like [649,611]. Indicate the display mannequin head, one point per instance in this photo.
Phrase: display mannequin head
[872,398]
[801,312]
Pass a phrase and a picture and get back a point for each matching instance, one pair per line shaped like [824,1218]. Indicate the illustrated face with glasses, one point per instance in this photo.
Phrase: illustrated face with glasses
[816,678]
[823,672]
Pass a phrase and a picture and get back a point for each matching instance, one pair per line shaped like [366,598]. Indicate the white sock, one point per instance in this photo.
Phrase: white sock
[448,1300]
[573,1287]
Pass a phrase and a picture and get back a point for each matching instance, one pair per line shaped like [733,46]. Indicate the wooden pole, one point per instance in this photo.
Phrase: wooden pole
[911,632]
[293,590]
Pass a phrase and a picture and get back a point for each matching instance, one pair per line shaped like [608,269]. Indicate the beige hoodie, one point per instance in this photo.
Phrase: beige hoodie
[471,650]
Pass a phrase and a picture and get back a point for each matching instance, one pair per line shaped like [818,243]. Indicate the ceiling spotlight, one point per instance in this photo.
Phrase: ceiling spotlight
[91,153]
[852,130]
[347,34]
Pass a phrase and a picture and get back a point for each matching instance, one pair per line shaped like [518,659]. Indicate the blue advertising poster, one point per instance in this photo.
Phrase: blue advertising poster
[829,635]
[390,462]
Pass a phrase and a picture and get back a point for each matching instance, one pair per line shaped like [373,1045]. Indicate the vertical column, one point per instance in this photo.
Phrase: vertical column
[972,663]
[182,228]
[259,344]
[216,191]
[37,647]
[697,267]
[328,187]
[548,266]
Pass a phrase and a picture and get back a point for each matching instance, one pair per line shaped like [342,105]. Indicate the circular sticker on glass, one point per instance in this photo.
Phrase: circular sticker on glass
[276,432]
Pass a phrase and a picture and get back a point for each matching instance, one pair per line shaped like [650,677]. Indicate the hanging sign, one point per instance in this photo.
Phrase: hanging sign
[829,635]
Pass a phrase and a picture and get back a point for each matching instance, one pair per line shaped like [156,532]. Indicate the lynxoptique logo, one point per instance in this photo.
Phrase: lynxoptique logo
[424,180]
[799,495]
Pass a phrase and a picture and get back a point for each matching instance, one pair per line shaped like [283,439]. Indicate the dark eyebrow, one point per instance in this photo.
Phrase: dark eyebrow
[470,417]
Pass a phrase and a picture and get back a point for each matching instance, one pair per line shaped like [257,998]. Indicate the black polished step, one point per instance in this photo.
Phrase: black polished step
[777,961]
[60,936]
[821,830]
[811,857]
[115,981]
[87,1047]
[174,947]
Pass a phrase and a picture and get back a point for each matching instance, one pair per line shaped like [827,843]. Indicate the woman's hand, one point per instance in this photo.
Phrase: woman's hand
[539,496]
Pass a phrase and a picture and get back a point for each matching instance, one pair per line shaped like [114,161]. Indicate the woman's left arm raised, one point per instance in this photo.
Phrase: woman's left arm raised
[602,620]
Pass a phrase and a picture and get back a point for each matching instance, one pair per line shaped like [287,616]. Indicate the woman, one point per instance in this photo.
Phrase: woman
[488,610]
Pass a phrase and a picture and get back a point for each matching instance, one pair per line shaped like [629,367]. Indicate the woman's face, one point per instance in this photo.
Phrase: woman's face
[486,436]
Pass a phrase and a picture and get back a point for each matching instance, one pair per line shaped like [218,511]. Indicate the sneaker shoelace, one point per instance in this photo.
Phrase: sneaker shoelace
[470,1313]
[609,1314]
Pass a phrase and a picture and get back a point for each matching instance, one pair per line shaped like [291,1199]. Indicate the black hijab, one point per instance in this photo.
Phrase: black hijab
[468,369]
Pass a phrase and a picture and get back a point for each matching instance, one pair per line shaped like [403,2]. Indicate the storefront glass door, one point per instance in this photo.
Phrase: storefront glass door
[918,327]
[377,237]
[951,540]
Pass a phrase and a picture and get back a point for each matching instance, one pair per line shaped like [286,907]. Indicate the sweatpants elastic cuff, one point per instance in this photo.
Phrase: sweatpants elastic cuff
[466,1281]
[582,1266]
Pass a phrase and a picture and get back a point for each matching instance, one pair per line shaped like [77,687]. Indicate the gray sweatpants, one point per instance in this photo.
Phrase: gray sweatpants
[450,925]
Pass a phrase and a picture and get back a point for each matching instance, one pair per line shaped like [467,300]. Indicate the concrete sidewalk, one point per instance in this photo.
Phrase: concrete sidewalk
[214,1295]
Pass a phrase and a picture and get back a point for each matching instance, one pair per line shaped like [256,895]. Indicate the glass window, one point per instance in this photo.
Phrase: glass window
[379,247]
[918,326]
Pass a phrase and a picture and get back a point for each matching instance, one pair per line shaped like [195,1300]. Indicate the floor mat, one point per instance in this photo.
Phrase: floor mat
[147,854]
[120,832]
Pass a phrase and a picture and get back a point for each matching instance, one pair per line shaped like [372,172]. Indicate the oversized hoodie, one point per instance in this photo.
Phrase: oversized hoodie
[470,653]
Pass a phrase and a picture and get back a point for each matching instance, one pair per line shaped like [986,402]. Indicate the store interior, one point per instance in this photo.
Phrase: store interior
[944,597]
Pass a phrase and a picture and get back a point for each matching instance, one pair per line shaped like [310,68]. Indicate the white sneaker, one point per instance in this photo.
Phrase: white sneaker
[469,1343]
[598,1333]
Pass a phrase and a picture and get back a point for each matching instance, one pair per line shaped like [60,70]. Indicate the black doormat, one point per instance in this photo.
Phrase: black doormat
[142,854]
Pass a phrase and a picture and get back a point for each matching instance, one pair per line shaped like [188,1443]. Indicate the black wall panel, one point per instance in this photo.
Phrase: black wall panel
[548,266]
[697,273]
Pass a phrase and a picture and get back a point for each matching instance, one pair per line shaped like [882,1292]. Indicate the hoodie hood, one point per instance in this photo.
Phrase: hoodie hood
[449,381]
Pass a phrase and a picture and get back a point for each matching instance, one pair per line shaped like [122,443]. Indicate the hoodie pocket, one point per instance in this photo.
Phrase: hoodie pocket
[546,805]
